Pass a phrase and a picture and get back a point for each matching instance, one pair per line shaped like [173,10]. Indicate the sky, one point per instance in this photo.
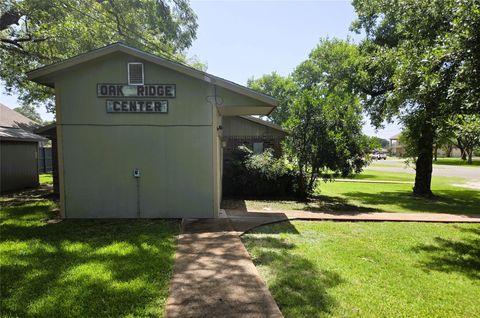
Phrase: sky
[243,39]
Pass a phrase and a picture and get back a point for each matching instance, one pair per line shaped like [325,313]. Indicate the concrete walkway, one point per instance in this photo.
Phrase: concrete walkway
[214,275]
[245,220]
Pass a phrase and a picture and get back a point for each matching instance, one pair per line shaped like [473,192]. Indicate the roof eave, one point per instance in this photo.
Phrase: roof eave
[38,74]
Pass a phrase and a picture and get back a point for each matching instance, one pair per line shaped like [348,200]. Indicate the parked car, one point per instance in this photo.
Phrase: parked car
[379,156]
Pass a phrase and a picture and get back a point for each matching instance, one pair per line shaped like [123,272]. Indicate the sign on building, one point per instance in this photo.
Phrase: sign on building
[120,90]
[137,106]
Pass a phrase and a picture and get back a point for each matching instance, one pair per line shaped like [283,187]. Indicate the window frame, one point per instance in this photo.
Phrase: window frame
[260,143]
[128,73]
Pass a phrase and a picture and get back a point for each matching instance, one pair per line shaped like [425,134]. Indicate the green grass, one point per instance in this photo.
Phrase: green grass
[46,178]
[398,197]
[355,197]
[391,176]
[82,268]
[328,269]
[457,162]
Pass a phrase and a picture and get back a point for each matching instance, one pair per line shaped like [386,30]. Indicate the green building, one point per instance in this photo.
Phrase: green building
[139,135]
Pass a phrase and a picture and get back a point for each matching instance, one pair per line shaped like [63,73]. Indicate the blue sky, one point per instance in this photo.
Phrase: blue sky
[243,39]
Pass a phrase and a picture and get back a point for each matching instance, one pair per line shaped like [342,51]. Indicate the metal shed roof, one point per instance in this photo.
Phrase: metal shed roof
[18,134]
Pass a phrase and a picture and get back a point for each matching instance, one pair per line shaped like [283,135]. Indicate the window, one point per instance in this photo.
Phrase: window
[135,74]
[257,147]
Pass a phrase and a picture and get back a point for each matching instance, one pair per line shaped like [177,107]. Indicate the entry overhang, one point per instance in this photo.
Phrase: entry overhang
[245,110]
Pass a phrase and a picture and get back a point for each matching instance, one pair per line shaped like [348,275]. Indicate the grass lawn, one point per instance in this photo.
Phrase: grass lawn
[457,162]
[377,197]
[46,178]
[333,269]
[82,268]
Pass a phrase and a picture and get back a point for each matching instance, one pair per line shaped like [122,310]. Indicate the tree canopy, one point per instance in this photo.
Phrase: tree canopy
[325,120]
[283,89]
[421,63]
[34,33]
[30,112]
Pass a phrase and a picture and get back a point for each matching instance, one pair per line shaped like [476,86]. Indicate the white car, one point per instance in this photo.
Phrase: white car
[379,156]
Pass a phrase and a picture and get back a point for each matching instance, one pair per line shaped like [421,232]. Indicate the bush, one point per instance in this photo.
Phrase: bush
[258,175]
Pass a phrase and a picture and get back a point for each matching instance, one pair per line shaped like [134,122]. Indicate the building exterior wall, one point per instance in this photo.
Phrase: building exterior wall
[238,131]
[19,167]
[100,150]
[178,153]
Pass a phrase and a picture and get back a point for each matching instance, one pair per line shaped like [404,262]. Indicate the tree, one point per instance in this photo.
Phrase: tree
[466,129]
[325,123]
[30,112]
[377,142]
[34,33]
[282,88]
[421,63]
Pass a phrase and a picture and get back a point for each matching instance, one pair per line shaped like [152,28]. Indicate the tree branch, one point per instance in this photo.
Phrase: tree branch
[8,18]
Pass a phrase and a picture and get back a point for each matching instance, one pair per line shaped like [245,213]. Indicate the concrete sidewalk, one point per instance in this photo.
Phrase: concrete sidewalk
[214,275]
[243,221]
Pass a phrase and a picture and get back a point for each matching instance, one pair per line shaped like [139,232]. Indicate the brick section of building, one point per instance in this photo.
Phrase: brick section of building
[233,142]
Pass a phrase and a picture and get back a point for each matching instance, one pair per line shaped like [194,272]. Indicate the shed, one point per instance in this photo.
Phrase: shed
[19,151]
[139,136]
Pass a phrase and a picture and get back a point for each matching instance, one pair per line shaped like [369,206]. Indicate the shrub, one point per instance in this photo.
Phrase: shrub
[258,175]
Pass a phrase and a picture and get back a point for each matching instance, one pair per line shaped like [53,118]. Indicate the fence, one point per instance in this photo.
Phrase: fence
[45,163]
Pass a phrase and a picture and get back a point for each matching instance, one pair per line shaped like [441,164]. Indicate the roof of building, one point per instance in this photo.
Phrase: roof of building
[18,134]
[42,75]
[264,122]
[16,127]
[47,130]
[11,118]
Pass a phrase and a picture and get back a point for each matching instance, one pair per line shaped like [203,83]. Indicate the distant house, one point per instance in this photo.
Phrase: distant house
[252,132]
[396,148]
[19,150]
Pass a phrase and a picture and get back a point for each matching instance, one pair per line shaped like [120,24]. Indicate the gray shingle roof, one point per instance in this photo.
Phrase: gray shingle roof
[14,126]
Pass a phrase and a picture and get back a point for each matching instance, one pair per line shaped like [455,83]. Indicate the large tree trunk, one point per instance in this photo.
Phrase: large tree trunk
[462,149]
[469,153]
[448,152]
[423,176]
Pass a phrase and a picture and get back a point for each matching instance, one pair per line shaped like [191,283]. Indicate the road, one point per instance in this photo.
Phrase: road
[469,173]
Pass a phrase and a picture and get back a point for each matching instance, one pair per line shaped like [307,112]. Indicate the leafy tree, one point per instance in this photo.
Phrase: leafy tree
[325,122]
[283,89]
[34,33]
[466,129]
[30,112]
[377,142]
[421,63]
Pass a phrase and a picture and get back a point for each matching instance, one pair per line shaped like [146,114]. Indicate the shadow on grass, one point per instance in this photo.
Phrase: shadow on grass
[454,256]
[83,268]
[445,201]
[317,203]
[298,286]
[323,203]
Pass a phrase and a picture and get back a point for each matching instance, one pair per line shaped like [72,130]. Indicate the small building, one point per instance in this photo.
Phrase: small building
[19,151]
[255,133]
[140,136]
[396,147]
